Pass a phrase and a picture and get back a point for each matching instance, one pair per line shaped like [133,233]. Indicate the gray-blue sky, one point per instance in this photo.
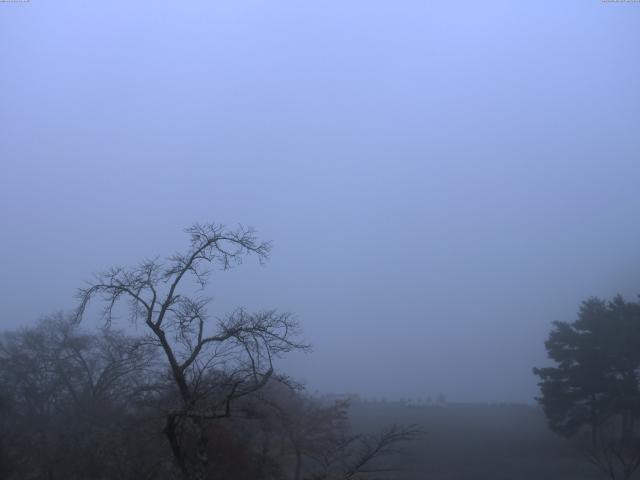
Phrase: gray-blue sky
[441,180]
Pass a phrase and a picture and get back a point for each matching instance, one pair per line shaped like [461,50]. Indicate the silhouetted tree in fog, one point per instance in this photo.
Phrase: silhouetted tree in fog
[70,406]
[212,362]
[594,385]
[317,442]
[194,397]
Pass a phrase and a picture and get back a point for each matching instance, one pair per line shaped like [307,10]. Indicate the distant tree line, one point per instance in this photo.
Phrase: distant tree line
[194,397]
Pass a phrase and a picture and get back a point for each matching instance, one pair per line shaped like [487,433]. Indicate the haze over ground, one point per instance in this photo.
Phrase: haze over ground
[440,180]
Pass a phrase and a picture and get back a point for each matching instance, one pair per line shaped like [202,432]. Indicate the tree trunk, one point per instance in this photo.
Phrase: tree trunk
[172,437]
[202,455]
[298,464]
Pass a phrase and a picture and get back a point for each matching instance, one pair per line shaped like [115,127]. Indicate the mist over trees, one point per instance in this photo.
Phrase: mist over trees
[194,397]
[441,180]
[76,404]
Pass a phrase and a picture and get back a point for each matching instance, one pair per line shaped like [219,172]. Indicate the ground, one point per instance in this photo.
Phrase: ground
[478,442]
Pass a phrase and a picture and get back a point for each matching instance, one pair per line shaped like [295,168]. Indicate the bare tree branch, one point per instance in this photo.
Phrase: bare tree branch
[212,363]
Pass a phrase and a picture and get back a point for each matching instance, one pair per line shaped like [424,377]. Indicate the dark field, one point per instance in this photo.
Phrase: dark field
[469,441]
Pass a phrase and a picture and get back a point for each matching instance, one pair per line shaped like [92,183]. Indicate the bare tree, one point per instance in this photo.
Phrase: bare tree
[212,362]
[365,456]
[69,398]
[321,442]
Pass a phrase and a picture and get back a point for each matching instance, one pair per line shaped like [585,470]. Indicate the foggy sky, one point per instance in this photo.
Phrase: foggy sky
[440,180]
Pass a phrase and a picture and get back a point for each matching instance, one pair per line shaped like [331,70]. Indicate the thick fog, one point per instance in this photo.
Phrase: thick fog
[440,180]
